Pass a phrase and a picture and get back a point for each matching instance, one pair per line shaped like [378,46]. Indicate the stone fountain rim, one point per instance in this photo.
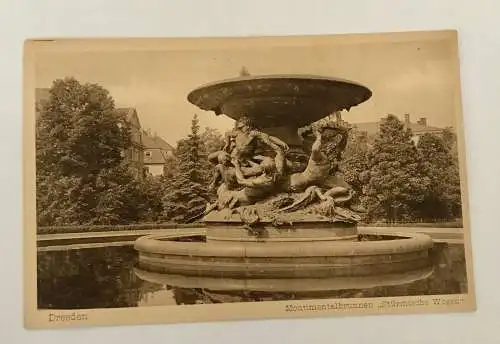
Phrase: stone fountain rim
[298,76]
[410,242]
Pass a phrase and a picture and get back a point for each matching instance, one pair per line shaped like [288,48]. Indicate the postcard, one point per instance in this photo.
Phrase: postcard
[171,180]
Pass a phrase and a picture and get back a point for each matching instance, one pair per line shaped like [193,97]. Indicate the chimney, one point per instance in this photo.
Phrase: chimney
[407,118]
[422,121]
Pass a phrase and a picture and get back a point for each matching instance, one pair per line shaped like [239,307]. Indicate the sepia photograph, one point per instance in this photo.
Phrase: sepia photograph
[171,180]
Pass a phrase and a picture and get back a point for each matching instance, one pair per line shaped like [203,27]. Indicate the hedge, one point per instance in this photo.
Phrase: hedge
[113,228]
[450,224]
[146,226]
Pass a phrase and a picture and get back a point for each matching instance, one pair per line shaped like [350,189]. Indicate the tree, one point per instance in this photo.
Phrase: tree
[450,142]
[355,163]
[442,199]
[79,131]
[82,176]
[186,194]
[212,140]
[153,189]
[395,185]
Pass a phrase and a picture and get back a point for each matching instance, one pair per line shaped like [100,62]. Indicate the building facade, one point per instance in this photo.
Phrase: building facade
[157,153]
[418,128]
[135,154]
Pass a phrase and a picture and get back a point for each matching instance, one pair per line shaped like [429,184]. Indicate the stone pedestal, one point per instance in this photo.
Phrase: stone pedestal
[268,233]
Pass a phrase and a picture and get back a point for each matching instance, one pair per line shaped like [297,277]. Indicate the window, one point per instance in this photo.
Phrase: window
[148,154]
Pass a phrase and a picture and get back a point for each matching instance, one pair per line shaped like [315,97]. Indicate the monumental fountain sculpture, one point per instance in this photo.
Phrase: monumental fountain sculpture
[284,220]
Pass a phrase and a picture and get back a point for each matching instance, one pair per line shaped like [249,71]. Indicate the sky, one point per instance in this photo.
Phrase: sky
[415,76]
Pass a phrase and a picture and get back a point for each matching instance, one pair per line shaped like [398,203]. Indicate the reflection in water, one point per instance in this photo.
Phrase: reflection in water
[89,278]
[105,278]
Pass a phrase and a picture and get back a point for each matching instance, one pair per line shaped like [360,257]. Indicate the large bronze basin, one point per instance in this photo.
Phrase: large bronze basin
[279,100]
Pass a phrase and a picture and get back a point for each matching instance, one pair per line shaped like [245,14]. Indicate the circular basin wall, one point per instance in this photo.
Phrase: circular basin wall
[385,258]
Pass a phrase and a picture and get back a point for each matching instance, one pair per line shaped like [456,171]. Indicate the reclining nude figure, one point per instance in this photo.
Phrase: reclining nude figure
[224,171]
[258,187]
[244,185]
[241,142]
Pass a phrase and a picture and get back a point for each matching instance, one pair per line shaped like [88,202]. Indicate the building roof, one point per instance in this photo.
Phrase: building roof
[155,141]
[417,128]
[155,156]
[130,115]
[373,127]
[157,150]
[369,127]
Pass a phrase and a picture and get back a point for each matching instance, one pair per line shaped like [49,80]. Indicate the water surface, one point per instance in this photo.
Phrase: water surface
[105,278]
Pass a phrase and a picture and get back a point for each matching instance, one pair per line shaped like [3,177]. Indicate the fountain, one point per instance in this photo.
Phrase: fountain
[284,221]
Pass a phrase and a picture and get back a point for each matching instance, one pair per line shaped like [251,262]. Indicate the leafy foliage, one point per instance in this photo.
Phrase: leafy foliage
[79,131]
[395,183]
[153,188]
[82,177]
[355,163]
[185,194]
[442,199]
[113,228]
[212,140]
